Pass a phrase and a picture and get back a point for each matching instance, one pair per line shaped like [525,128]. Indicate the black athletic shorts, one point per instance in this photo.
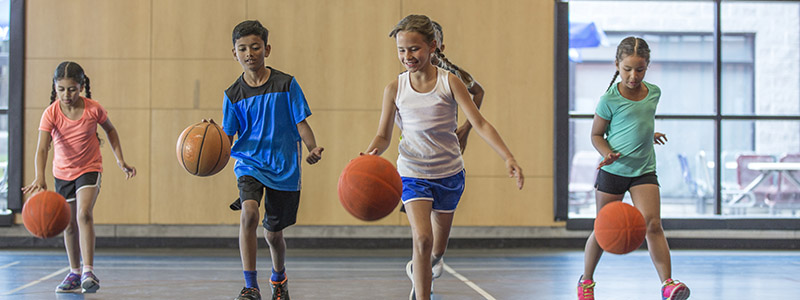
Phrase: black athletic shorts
[617,185]
[69,188]
[280,206]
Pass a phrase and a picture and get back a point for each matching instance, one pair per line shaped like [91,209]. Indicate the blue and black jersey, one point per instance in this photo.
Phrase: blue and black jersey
[265,119]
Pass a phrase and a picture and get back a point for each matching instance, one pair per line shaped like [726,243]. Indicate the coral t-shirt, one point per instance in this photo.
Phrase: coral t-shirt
[75,143]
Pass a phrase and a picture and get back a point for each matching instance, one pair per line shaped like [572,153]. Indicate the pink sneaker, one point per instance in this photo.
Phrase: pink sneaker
[586,289]
[674,290]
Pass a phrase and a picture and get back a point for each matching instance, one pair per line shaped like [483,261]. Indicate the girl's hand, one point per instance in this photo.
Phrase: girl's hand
[314,155]
[659,138]
[373,152]
[130,171]
[462,133]
[610,158]
[514,170]
[37,185]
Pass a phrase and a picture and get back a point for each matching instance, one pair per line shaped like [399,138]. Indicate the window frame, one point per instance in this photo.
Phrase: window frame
[562,136]
[16,108]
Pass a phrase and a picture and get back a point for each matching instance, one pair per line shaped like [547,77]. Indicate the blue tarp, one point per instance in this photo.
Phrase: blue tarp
[584,35]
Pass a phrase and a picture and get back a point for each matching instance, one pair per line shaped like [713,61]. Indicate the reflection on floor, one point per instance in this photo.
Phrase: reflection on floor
[379,274]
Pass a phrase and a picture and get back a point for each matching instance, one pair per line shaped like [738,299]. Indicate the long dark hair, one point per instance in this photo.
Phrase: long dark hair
[71,70]
[631,46]
[74,71]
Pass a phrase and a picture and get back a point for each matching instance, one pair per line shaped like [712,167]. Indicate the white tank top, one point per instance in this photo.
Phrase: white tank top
[428,145]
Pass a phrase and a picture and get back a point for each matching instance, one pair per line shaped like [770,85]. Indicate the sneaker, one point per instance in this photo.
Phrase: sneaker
[280,290]
[410,274]
[89,282]
[585,289]
[438,268]
[71,284]
[249,294]
[674,290]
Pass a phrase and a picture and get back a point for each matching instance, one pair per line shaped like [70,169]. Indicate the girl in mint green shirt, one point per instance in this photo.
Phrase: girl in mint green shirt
[623,132]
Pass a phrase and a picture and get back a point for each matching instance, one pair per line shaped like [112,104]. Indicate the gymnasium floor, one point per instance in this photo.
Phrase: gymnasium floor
[379,274]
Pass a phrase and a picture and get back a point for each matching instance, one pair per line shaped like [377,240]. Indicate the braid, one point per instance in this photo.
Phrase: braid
[53,94]
[87,90]
[613,79]
[444,63]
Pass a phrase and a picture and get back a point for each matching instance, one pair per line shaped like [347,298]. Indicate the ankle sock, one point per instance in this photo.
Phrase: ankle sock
[250,279]
[88,268]
[278,276]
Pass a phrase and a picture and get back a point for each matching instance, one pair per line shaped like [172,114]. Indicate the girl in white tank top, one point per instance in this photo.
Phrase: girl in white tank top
[423,100]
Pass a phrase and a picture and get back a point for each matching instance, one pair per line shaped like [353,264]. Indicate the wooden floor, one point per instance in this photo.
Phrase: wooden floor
[380,274]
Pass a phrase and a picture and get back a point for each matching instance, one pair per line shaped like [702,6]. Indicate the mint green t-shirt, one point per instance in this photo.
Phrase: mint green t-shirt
[630,130]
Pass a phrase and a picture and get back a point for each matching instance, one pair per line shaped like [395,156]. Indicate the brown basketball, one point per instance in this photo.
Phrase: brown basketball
[369,187]
[619,228]
[46,214]
[203,149]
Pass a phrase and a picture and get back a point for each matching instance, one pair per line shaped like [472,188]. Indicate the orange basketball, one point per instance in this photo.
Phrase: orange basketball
[46,214]
[619,228]
[203,149]
[369,187]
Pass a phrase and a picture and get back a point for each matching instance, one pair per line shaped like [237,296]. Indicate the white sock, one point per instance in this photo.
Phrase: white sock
[75,271]
[88,268]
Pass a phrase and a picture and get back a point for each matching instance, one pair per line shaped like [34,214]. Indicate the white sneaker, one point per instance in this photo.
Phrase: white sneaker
[410,274]
[438,268]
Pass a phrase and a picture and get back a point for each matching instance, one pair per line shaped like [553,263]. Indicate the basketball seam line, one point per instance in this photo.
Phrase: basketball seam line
[200,152]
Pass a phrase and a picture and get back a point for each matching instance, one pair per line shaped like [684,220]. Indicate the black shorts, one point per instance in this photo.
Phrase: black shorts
[69,188]
[280,207]
[618,185]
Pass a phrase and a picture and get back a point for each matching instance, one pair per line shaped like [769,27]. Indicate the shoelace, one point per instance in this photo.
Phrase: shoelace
[588,290]
[246,291]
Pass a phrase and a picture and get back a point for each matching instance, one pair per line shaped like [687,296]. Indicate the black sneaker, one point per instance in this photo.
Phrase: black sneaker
[249,294]
[236,205]
[280,290]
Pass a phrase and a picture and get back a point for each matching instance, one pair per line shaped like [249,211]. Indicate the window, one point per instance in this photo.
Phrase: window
[12,23]
[726,103]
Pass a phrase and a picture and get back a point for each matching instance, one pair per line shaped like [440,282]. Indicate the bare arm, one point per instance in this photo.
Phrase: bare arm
[477,96]
[484,128]
[116,146]
[383,137]
[463,131]
[314,152]
[600,143]
[40,162]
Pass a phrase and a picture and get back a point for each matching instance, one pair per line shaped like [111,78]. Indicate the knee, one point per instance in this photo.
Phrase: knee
[654,226]
[249,218]
[423,242]
[85,216]
[274,237]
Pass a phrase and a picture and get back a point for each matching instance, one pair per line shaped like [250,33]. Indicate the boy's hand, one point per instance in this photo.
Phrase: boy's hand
[610,158]
[314,155]
[373,152]
[659,138]
[514,170]
[462,133]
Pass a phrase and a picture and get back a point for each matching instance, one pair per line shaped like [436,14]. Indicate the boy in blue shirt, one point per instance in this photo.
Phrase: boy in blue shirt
[267,110]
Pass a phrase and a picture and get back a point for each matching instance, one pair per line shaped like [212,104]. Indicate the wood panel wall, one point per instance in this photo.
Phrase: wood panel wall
[159,66]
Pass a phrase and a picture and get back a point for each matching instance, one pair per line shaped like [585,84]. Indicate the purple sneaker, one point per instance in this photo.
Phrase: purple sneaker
[89,282]
[71,284]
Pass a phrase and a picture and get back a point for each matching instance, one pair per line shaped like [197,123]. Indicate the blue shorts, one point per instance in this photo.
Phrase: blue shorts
[443,192]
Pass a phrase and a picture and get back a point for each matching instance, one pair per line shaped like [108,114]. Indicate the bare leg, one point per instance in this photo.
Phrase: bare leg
[592,251]
[277,249]
[647,199]
[419,215]
[86,198]
[441,222]
[248,241]
[72,238]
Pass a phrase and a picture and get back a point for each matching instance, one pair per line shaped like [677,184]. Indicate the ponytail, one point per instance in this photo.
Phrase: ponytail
[613,79]
[444,63]
[87,89]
